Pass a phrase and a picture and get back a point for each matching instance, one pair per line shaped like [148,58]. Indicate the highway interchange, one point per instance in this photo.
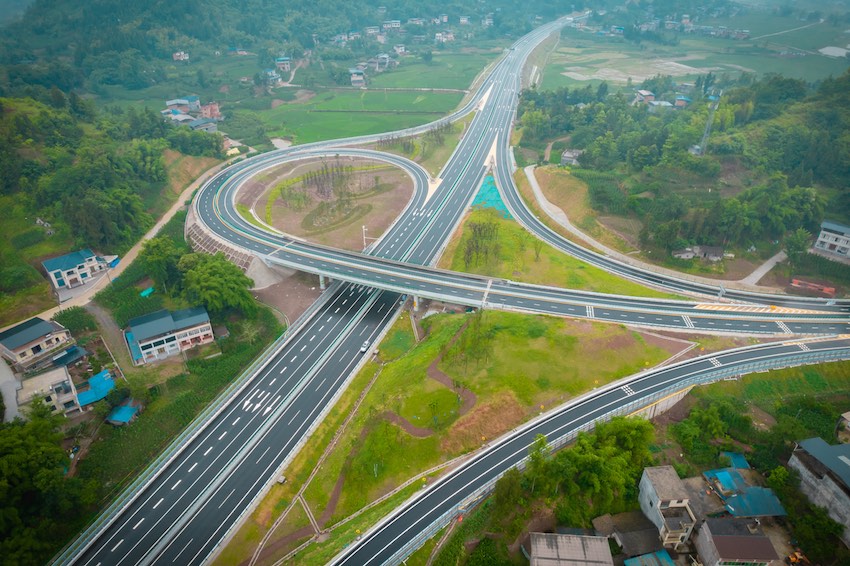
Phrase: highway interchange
[191,502]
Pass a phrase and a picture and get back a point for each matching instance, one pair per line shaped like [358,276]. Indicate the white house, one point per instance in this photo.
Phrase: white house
[162,334]
[665,502]
[31,342]
[834,239]
[73,269]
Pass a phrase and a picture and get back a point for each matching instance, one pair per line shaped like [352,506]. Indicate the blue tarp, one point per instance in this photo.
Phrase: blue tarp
[122,414]
[135,351]
[728,480]
[660,558]
[147,292]
[488,197]
[99,386]
[755,502]
[741,499]
[738,460]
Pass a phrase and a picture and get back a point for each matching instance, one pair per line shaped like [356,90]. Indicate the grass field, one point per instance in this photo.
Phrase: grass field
[343,113]
[583,58]
[517,261]
[518,377]
[446,70]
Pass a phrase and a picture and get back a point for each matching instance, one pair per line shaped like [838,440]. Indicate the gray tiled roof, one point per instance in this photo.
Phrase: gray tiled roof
[25,333]
[835,227]
[836,458]
[163,322]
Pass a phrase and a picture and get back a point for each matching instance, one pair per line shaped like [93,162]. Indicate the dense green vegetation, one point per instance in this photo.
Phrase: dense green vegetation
[38,505]
[597,474]
[96,179]
[786,136]
[108,43]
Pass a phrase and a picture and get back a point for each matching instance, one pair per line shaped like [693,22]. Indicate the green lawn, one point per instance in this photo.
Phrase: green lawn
[446,70]
[336,114]
[530,362]
[516,261]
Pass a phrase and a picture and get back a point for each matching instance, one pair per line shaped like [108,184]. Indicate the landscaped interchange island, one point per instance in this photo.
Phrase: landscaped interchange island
[567,288]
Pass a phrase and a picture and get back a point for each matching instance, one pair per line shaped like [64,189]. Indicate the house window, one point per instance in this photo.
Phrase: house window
[36,349]
[147,347]
[69,404]
[84,275]
[158,343]
[48,399]
[170,339]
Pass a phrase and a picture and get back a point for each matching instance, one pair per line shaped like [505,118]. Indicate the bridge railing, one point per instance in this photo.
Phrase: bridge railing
[128,494]
[703,378]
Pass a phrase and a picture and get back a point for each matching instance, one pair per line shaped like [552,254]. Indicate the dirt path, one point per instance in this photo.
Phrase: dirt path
[786,31]
[112,335]
[548,151]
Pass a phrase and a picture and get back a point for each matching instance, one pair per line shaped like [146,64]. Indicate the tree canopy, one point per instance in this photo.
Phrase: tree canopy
[38,505]
[219,285]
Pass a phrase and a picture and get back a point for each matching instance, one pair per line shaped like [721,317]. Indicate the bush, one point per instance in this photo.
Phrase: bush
[76,320]
[29,238]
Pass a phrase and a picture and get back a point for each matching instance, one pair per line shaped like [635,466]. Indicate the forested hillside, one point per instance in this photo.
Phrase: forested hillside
[75,45]
[777,160]
[93,177]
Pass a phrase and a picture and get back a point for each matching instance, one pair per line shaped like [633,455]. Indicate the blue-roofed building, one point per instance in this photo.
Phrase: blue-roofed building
[740,498]
[660,558]
[737,460]
[32,343]
[99,386]
[73,269]
[162,334]
[834,239]
[825,477]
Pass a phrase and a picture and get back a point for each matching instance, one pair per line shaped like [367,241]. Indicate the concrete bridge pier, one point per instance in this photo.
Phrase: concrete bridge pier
[323,283]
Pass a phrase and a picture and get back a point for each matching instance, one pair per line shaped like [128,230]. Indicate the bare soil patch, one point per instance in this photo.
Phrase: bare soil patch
[376,195]
[671,345]
[292,296]
[762,420]
[486,421]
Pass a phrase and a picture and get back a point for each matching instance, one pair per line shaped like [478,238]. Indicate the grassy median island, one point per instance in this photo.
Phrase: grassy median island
[473,377]
[489,244]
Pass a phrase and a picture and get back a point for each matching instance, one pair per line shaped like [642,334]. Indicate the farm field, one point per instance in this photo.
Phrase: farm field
[343,113]
[446,70]
[583,58]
